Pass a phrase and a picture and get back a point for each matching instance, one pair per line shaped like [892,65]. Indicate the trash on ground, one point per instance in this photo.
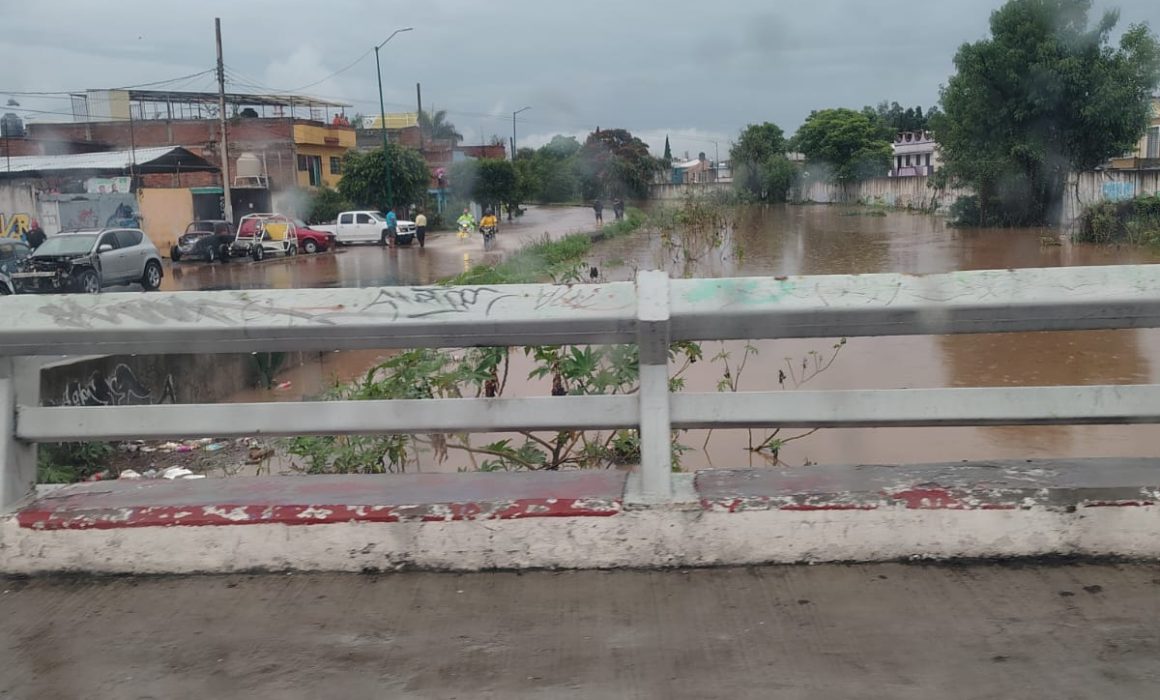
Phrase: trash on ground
[130,474]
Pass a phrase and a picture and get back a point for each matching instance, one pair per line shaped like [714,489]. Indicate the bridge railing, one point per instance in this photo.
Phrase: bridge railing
[653,312]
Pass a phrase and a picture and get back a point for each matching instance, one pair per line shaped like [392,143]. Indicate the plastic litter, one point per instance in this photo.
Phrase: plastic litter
[130,474]
[283,386]
[175,473]
[216,446]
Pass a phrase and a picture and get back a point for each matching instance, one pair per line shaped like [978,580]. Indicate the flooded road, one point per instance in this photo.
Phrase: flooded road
[374,266]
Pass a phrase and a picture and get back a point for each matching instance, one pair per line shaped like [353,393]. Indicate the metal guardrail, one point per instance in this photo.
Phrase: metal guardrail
[653,312]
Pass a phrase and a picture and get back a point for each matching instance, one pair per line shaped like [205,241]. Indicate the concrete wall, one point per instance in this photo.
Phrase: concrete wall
[1086,189]
[670,192]
[901,192]
[165,214]
[123,380]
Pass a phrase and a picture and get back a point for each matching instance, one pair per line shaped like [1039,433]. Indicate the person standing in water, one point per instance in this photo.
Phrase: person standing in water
[598,207]
[421,228]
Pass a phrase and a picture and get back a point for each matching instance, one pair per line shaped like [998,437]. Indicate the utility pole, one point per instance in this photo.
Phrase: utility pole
[514,130]
[419,99]
[227,201]
[383,115]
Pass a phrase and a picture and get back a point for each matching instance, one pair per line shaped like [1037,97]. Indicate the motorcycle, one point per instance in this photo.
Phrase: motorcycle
[488,236]
[464,229]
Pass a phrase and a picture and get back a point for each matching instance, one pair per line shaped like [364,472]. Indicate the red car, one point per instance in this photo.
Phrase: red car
[312,241]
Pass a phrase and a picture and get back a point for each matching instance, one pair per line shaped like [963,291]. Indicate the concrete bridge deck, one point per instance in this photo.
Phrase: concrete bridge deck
[830,631]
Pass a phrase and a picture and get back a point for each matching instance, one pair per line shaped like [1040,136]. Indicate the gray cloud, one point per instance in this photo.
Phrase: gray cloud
[698,71]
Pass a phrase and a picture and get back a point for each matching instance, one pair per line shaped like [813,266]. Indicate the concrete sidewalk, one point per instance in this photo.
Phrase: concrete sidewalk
[873,632]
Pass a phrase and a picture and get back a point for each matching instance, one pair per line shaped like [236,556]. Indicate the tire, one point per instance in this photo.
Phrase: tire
[88,282]
[292,251]
[210,254]
[309,247]
[151,278]
[258,253]
[175,254]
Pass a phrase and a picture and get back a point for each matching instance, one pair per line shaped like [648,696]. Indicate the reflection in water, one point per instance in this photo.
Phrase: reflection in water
[820,240]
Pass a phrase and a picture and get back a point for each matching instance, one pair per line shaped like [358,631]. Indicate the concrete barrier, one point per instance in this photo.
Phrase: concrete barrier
[577,520]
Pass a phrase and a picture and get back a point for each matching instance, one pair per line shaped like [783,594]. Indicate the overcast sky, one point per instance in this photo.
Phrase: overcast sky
[696,70]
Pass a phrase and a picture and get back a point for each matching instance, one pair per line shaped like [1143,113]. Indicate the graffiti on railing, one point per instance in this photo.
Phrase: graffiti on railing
[121,387]
[434,301]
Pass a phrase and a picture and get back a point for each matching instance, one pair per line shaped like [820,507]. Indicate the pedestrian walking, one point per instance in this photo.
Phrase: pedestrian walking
[421,228]
[618,209]
[392,227]
[598,207]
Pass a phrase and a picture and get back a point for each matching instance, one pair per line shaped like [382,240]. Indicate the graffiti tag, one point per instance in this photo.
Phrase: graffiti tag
[121,388]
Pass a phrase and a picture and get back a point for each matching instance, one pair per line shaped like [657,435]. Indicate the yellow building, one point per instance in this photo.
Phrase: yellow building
[1149,147]
[320,150]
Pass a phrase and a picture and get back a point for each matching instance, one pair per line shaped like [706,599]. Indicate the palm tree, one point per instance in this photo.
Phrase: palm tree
[435,126]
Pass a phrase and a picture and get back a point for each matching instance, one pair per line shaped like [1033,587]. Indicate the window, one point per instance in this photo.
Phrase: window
[364,219]
[908,161]
[1152,148]
[109,239]
[312,165]
[346,219]
[335,165]
[128,238]
[928,160]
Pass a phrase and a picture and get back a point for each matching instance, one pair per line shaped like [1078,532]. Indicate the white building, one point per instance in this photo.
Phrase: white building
[915,153]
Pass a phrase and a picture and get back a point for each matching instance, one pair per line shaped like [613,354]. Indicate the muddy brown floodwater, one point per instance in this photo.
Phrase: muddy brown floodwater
[820,240]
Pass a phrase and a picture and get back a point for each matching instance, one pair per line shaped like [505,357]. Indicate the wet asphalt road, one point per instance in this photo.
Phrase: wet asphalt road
[368,265]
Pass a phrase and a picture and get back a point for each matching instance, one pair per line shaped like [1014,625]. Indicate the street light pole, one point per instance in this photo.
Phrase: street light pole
[383,112]
[514,130]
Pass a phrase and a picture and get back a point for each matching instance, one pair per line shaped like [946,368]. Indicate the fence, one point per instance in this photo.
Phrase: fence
[653,312]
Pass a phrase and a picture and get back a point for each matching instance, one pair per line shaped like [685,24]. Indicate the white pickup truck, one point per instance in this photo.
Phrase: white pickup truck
[366,227]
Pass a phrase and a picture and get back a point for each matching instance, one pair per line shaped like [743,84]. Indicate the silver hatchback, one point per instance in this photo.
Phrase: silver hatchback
[89,261]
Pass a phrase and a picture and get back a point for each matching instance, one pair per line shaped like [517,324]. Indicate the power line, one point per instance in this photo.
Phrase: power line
[49,93]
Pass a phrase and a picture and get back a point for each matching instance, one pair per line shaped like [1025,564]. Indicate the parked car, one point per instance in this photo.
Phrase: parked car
[12,252]
[366,227]
[88,261]
[261,235]
[311,240]
[207,240]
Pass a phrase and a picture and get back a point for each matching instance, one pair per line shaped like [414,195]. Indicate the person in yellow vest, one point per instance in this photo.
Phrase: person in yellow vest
[421,228]
[489,220]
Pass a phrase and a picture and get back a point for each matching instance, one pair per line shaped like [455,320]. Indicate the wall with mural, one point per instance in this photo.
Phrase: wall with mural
[67,212]
[17,208]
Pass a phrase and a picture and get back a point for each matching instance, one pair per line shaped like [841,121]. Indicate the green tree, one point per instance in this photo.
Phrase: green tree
[435,125]
[490,182]
[759,164]
[325,205]
[895,119]
[1045,94]
[852,143]
[614,163]
[364,177]
[668,156]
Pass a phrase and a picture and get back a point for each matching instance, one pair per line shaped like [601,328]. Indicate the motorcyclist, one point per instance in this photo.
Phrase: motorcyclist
[466,223]
[489,221]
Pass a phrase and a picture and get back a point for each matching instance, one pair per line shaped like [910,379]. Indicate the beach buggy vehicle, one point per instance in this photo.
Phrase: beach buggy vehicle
[262,235]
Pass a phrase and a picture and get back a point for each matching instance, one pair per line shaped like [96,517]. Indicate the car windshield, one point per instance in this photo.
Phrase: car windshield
[67,245]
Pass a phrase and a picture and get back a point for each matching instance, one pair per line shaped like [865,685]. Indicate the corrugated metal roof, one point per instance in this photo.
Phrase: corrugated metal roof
[109,160]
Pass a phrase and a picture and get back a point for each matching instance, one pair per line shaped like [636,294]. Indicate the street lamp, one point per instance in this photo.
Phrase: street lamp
[514,130]
[383,111]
